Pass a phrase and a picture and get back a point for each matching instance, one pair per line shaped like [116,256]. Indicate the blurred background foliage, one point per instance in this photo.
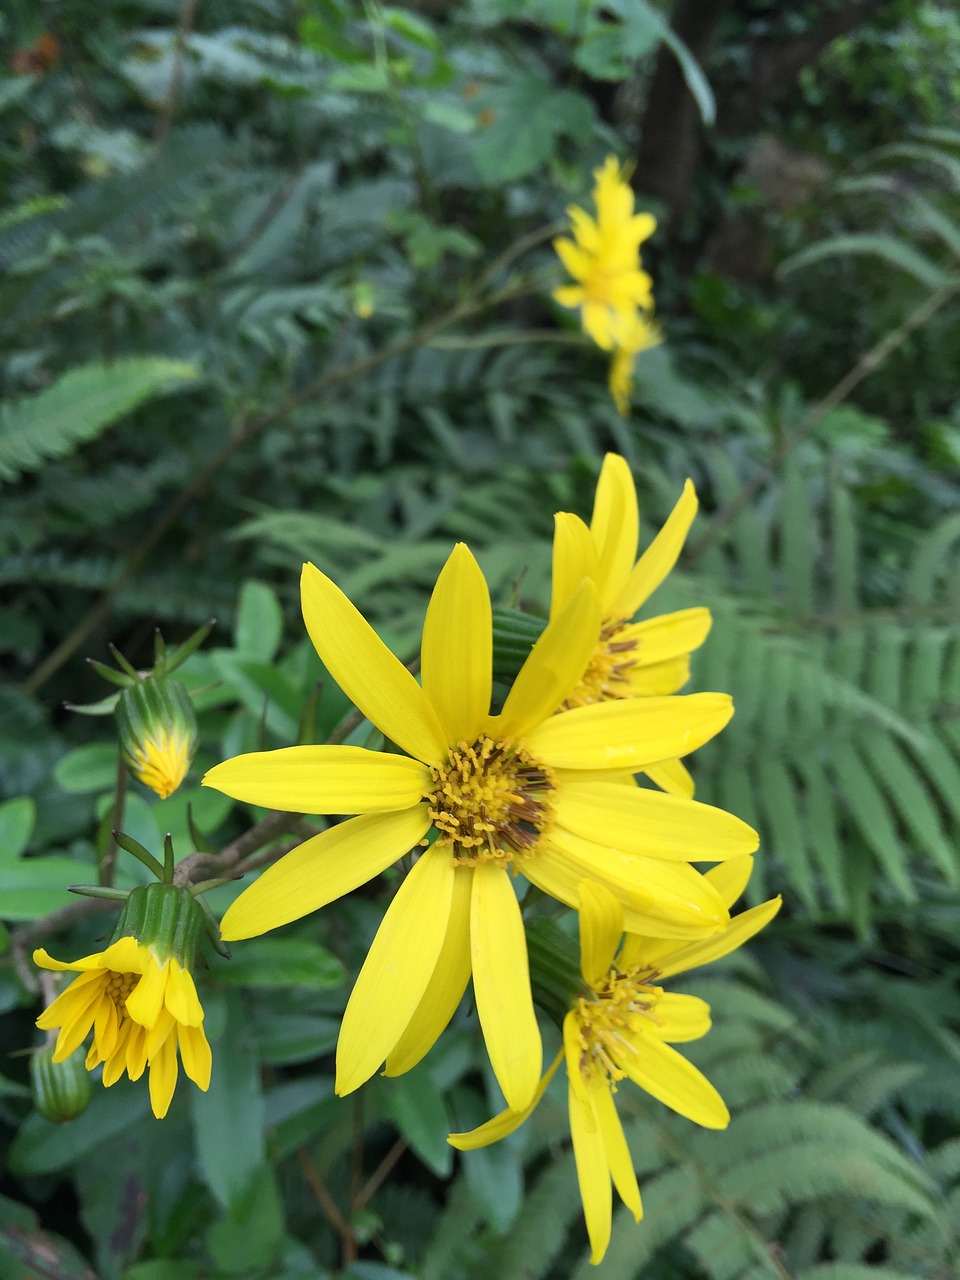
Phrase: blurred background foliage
[276,286]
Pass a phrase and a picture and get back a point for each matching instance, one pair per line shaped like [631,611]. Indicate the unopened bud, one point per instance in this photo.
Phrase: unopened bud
[158,732]
[61,1090]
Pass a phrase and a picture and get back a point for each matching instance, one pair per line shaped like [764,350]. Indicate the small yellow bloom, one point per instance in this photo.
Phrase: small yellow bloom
[523,790]
[621,1026]
[162,762]
[637,334]
[604,259]
[141,1009]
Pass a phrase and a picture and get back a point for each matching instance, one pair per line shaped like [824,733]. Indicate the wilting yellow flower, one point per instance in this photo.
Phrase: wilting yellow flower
[604,258]
[506,793]
[637,334]
[621,1026]
[140,1008]
[630,659]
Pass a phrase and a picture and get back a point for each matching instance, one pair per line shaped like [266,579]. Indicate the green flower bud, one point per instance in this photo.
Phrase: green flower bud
[167,918]
[158,732]
[61,1090]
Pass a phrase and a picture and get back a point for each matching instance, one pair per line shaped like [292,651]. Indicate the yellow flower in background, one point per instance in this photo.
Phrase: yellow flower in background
[604,258]
[520,791]
[622,1026]
[630,659]
[161,762]
[637,334]
[141,1009]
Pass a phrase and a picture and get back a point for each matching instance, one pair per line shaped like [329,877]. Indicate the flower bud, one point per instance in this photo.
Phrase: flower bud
[167,918]
[61,1090]
[158,732]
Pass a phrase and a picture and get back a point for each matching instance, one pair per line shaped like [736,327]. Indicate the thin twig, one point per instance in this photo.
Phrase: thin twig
[25,935]
[868,362]
[382,1171]
[188,11]
[321,1192]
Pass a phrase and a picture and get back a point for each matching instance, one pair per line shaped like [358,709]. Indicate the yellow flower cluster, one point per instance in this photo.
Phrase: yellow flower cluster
[612,291]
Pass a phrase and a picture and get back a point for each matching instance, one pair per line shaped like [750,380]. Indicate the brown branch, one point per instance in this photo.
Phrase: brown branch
[379,1175]
[25,935]
[314,1179]
[188,11]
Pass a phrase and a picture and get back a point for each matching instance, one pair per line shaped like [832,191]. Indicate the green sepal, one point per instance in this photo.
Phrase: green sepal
[61,1090]
[166,917]
[200,841]
[514,635]
[183,651]
[136,849]
[153,705]
[99,891]
[108,673]
[105,707]
[210,920]
[555,976]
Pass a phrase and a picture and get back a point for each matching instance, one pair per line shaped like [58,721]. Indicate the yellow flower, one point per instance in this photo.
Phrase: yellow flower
[140,1009]
[630,659]
[637,334]
[604,258]
[507,793]
[158,732]
[161,762]
[621,1026]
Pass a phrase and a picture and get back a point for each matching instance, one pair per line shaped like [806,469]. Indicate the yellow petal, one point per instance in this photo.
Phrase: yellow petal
[447,984]
[457,651]
[618,1154]
[731,878]
[136,1051]
[662,554]
[658,680]
[573,1055]
[651,823]
[593,1174]
[501,983]
[601,927]
[106,1028]
[679,1018]
[163,1077]
[74,1032]
[506,1122]
[73,1003]
[322,869]
[573,258]
[739,931]
[321,780]
[615,527]
[569,295]
[667,1076]
[181,996]
[574,558]
[671,776]
[554,667]
[365,669]
[114,1066]
[195,1052]
[146,1000]
[629,734]
[397,970]
[670,635]
[665,899]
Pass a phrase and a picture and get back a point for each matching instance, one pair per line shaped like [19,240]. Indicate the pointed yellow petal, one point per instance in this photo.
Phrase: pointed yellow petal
[106,1028]
[574,259]
[447,984]
[181,996]
[501,983]
[163,1077]
[731,878]
[457,651]
[593,1174]
[72,1003]
[615,1144]
[397,970]
[661,679]
[506,1122]
[739,931]
[629,734]
[662,554]
[667,1076]
[601,927]
[573,1054]
[569,295]
[322,869]
[196,1056]
[574,558]
[554,667]
[321,780]
[670,635]
[615,527]
[671,776]
[136,1051]
[651,823]
[365,669]
[664,899]
[73,1033]
[679,1018]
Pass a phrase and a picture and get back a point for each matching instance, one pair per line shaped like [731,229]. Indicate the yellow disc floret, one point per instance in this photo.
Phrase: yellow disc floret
[610,668]
[491,801]
[609,1019]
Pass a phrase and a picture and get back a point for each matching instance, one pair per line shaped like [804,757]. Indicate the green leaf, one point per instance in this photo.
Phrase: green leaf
[32,887]
[17,818]
[165,1269]
[253,1234]
[281,962]
[79,406]
[259,625]
[43,1147]
[416,1107]
[529,116]
[893,251]
[86,769]
[228,1118]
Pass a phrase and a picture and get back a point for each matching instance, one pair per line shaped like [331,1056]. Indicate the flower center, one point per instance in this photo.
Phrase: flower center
[608,675]
[491,802]
[119,986]
[611,1021]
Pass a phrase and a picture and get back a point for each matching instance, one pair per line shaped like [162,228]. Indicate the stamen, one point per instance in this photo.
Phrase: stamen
[611,1019]
[491,802]
[608,673]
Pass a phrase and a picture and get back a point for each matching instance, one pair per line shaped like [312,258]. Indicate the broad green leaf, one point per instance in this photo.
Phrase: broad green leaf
[32,887]
[281,962]
[43,1147]
[417,1109]
[259,623]
[90,768]
[529,116]
[17,818]
[896,253]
